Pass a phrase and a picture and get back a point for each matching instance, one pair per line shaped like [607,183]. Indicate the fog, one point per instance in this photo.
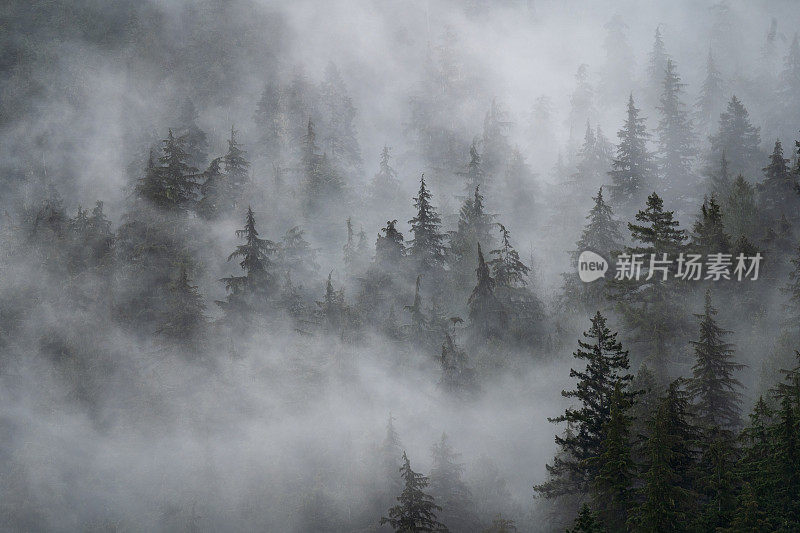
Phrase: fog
[278,424]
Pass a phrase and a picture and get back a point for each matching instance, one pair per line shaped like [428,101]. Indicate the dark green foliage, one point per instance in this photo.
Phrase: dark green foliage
[739,211]
[632,167]
[426,248]
[416,511]
[605,372]
[709,234]
[713,386]
[507,268]
[486,313]
[587,522]
[658,231]
[778,193]
[389,248]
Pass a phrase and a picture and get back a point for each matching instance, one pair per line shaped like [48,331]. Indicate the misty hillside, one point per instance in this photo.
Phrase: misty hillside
[418,265]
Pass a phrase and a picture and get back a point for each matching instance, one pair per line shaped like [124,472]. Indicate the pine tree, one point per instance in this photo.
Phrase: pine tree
[236,170]
[171,184]
[719,182]
[214,189]
[594,158]
[272,123]
[339,135]
[675,135]
[788,96]
[738,138]
[601,233]
[657,63]
[296,256]
[257,284]
[632,168]
[606,370]
[417,510]
[616,471]
[496,149]
[658,231]
[778,193]
[449,489]
[709,102]
[709,234]
[183,320]
[427,247]
[332,308]
[384,187]
[581,102]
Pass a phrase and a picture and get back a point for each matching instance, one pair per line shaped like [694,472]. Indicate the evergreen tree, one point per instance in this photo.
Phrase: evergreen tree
[666,497]
[657,63]
[594,159]
[416,511]
[272,123]
[296,256]
[236,170]
[501,525]
[658,231]
[587,522]
[632,167]
[581,103]
[719,182]
[496,149]
[389,248]
[713,386]
[675,135]
[601,233]
[507,268]
[332,308]
[171,184]
[427,247]
[739,211]
[616,471]
[778,193]
[788,96]
[449,489]
[252,289]
[709,234]
[339,136]
[474,176]
[384,187]
[709,102]
[214,189]
[606,370]
[485,311]
[738,138]
[474,227]
[457,376]
[183,320]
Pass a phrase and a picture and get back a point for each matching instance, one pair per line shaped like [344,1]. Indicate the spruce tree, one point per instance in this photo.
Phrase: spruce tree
[195,139]
[416,510]
[719,182]
[587,522]
[457,377]
[738,138]
[496,149]
[473,229]
[507,268]
[792,290]
[739,210]
[709,102]
[675,136]
[657,63]
[389,248]
[601,233]
[384,187]
[632,167]
[214,189]
[184,320]
[236,170]
[474,175]
[427,247]
[606,369]
[332,308]
[338,131]
[657,231]
[486,313]
[788,97]
[171,184]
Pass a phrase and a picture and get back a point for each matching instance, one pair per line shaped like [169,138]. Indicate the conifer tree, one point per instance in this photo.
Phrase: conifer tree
[709,234]
[632,168]
[587,522]
[474,176]
[738,138]
[252,289]
[606,370]
[384,187]
[601,232]
[273,124]
[739,210]
[778,193]
[709,102]
[474,228]
[788,96]
[657,63]
[236,169]
[296,256]
[457,377]
[616,470]
[657,231]
[501,525]
[449,489]
[713,385]
[719,181]
[389,248]
[339,136]
[184,318]
[581,103]
[496,149]
[675,135]
[416,510]
[507,268]
[171,184]
[427,247]
[594,159]
[332,308]
[486,313]
[419,322]
[214,189]
[792,290]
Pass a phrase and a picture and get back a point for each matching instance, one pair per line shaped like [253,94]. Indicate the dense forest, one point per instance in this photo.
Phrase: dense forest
[315,266]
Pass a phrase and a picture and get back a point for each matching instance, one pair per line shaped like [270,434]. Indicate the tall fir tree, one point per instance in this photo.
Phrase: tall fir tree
[606,370]
[184,319]
[338,131]
[507,268]
[632,167]
[195,139]
[739,210]
[427,246]
[449,489]
[709,235]
[389,247]
[171,184]
[779,192]
[474,175]
[473,229]
[709,102]
[486,313]
[416,510]
[675,135]
[656,64]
